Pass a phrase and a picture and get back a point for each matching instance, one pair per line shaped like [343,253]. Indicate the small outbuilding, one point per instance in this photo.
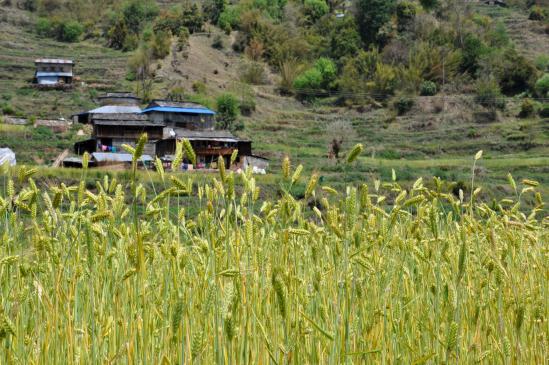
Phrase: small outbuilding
[53,72]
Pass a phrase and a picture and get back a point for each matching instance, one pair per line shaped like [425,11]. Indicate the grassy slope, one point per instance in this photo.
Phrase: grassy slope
[423,142]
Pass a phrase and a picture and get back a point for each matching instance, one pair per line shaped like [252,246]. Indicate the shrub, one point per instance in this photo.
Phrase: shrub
[314,10]
[29,5]
[537,13]
[199,87]
[43,27]
[320,76]
[429,4]
[473,49]
[544,111]
[183,39]
[160,44]
[71,31]
[7,109]
[428,88]
[227,111]
[542,63]
[371,16]
[212,9]
[252,73]
[527,108]
[488,93]
[247,106]
[542,86]
[515,72]
[405,12]
[217,42]
[403,104]
[229,18]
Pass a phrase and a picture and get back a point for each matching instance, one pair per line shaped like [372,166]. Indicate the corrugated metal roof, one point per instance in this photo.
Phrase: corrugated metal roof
[127,123]
[118,157]
[121,117]
[165,109]
[118,95]
[54,60]
[116,109]
[50,74]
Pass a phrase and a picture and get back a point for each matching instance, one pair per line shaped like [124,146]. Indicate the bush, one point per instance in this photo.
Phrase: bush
[429,4]
[71,31]
[488,94]
[473,49]
[59,29]
[160,44]
[199,87]
[320,76]
[7,109]
[537,13]
[229,18]
[218,42]
[227,111]
[542,86]
[542,63]
[544,111]
[428,88]
[247,106]
[314,10]
[405,12]
[403,104]
[527,109]
[515,72]
[253,73]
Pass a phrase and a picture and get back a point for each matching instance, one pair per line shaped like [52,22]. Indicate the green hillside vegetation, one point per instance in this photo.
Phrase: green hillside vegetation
[422,84]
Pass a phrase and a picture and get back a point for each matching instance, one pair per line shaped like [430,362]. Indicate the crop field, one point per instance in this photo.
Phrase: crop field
[100,275]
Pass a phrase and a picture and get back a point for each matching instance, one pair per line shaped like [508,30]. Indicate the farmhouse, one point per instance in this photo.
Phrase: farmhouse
[119,120]
[53,72]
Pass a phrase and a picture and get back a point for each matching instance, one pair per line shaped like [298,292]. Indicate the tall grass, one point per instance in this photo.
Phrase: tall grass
[374,274]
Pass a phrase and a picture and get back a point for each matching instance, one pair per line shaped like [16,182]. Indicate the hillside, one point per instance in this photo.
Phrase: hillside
[437,137]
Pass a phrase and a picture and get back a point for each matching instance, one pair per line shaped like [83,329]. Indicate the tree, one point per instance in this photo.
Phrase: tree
[212,9]
[344,39]
[315,9]
[371,16]
[227,111]
[429,4]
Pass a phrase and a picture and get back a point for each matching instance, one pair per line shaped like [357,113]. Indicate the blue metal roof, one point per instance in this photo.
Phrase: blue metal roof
[165,109]
[49,74]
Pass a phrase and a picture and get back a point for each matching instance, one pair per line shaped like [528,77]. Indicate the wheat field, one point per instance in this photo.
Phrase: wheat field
[120,274]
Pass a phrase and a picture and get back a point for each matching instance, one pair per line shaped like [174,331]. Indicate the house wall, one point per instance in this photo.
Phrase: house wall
[182,120]
[107,131]
[53,67]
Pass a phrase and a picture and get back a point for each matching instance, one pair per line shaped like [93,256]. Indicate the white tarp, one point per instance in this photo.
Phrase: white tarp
[7,155]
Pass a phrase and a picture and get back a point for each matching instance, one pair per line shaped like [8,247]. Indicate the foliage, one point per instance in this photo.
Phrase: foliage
[538,13]
[180,17]
[217,42]
[542,86]
[343,38]
[314,10]
[227,111]
[428,88]
[544,110]
[527,108]
[429,4]
[473,49]
[405,14]
[372,16]
[252,72]
[403,104]
[542,63]
[229,19]
[212,9]
[59,29]
[199,87]
[317,78]
[160,44]
[488,93]
[515,73]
